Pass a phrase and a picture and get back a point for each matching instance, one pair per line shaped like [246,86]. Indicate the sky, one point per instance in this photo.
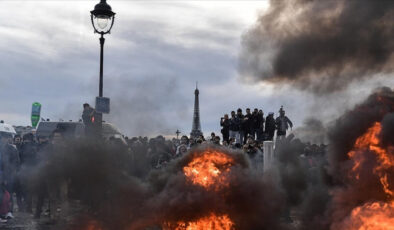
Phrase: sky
[155,54]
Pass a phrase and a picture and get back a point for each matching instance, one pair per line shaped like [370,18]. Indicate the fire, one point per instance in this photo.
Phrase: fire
[371,216]
[92,225]
[375,215]
[370,141]
[211,222]
[208,170]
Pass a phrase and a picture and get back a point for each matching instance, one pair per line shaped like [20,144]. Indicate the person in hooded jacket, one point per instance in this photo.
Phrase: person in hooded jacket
[270,126]
[282,124]
[225,123]
[248,125]
[235,124]
[9,164]
[259,124]
[18,142]
[53,183]
[28,161]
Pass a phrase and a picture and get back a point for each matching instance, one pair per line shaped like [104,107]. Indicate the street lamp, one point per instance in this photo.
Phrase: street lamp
[102,20]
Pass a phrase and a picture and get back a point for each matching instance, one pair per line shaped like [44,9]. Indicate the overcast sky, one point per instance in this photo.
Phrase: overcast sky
[152,59]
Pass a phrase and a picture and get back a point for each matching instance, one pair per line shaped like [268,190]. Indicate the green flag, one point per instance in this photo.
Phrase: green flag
[35,114]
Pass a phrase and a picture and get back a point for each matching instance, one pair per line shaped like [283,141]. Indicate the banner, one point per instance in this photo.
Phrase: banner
[35,114]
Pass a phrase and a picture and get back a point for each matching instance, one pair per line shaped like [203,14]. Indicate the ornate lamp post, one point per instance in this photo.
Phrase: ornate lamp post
[102,20]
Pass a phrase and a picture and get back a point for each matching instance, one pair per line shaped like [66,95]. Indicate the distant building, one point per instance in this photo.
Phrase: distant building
[196,127]
[22,130]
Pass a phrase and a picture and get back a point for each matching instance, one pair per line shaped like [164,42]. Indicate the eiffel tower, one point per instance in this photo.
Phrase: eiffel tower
[196,127]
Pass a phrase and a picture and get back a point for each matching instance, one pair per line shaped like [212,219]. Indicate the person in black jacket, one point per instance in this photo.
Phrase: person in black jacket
[9,165]
[18,184]
[241,121]
[225,123]
[28,158]
[260,125]
[282,124]
[53,181]
[270,126]
[18,142]
[242,126]
[235,124]
[87,114]
[248,125]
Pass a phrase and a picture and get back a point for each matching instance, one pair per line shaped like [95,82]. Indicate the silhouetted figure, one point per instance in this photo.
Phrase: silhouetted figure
[270,126]
[87,114]
[235,124]
[225,123]
[242,127]
[248,125]
[282,124]
[259,126]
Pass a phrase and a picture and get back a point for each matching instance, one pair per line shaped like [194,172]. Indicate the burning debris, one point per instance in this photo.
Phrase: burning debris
[209,188]
[320,46]
[378,214]
[375,216]
[211,222]
[209,169]
[368,164]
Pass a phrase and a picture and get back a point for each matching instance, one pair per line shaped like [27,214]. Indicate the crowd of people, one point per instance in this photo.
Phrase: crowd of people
[240,127]
[20,155]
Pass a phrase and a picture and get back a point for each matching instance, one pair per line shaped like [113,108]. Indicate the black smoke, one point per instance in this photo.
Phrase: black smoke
[143,106]
[345,130]
[311,188]
[321,188]
[111,195]
[320,46]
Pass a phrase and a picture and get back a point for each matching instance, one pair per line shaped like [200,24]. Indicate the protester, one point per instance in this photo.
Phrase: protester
[10,163]
[18,142]
[242,126]
[216,140]
[5,204]
[54,184]
[28,158]
[181,150]
[282,124]
[234,128]
[248,125]
[225,124]
[18,184]
[87,114]
[254,124]
[270,126]
[213,135]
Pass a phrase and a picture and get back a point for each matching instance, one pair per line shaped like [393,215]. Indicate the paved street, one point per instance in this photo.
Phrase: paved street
[25,221]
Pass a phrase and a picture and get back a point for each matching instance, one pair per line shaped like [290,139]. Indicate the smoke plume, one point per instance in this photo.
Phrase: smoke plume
[312,131]
[316,189]
[320,46]
[142,106]
[102,180]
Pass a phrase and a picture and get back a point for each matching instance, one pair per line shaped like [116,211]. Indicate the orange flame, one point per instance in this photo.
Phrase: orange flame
[371,216]
[211,222]
[376,215]
[370,141]
[208,170]
[92,225]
